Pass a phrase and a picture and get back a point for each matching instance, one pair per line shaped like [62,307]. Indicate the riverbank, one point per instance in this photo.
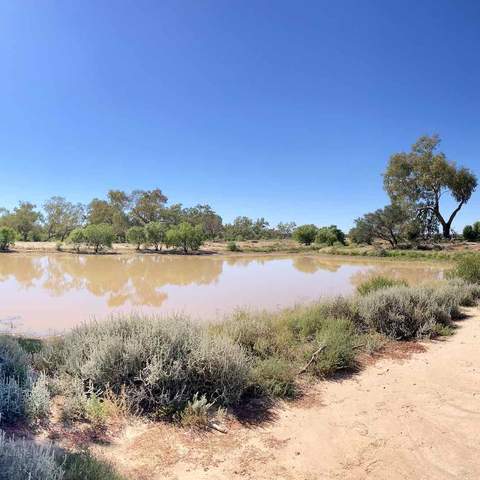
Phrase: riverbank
[95,384]
[442,252]
[412,413]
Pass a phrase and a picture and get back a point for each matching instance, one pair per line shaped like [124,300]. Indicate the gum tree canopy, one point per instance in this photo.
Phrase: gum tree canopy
[422,176]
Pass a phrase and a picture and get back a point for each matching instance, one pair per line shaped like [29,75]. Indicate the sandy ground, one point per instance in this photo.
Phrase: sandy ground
[414,417]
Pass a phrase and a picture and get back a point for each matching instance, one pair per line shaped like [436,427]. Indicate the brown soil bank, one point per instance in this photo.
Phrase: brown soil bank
[416,417]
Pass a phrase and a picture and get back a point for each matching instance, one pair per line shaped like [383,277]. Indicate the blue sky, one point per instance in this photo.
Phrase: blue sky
[282,109]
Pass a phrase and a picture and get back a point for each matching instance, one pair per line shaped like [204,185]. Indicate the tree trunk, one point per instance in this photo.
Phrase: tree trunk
[446,230]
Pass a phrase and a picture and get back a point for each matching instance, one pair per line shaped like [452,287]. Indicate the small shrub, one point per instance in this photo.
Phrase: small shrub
[377,283]
[75,406]
[158,363]
[233,247]
[37,400]
[338,336]
[403,313]
[12,406]
[7,238]
[276,377]
[196,412]
[22,459]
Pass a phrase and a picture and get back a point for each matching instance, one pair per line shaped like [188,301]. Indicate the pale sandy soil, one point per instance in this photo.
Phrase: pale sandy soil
[404,417]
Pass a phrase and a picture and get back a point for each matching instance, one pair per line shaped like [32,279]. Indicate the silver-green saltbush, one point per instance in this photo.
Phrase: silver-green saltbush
[23,393]
[24,460]
[160,363]
[403,313]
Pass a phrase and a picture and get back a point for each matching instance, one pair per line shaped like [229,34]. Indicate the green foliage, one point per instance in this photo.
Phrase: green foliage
[471,233]
[61,217]
[7,237]
[421,177]
[330,235]
[388,223]
[77,238]
[468,268]
[378,282]
[305,234]
[23,459]
[136,236]
[275,376]
[147,205]
[156,233]
[99,236]
[338,336]
[233,247]
[185,236]
[24,219]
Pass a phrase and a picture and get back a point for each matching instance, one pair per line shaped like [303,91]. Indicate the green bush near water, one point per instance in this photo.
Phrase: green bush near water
[7,238]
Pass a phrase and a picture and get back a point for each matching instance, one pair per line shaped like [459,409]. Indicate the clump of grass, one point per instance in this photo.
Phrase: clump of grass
[379,282]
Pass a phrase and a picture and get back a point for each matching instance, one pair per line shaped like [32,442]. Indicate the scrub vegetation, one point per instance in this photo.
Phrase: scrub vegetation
[171,368]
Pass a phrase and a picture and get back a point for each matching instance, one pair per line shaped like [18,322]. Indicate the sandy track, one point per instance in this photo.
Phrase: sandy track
[417,418]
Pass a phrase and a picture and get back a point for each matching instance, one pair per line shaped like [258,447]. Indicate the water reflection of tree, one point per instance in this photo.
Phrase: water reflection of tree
[301,263]
[24,269]
[411,273]
[312,264]
[121,279]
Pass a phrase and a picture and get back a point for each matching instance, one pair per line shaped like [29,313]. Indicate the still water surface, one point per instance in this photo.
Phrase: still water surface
[44,294]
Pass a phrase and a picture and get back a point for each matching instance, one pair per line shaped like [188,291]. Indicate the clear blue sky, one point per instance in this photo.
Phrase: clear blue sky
[283,109]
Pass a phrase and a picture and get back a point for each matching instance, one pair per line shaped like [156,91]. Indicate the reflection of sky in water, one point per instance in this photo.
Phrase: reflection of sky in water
[54,293]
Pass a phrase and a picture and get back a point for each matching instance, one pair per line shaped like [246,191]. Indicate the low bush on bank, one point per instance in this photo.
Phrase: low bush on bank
[170,367]
[377,283]
[404,313]
[7,238]
[158,364]
[22,459]
[23,393]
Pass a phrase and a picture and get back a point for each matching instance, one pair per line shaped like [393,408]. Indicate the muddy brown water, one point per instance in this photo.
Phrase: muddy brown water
[46,294]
